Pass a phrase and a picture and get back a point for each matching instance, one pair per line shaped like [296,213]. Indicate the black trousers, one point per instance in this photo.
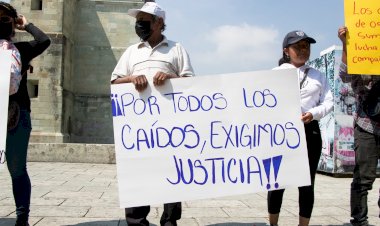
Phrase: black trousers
[367,153]
[305,193]
[136,216]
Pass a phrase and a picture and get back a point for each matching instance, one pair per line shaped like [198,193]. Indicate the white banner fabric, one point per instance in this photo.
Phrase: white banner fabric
[5,73]
[209,136]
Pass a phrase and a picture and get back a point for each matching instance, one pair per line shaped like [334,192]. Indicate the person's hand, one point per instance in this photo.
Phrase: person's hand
[160,77]
[21,22]
[306,117]
[342,31]
[140,82]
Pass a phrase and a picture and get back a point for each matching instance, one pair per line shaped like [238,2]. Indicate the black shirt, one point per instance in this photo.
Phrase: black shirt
[28,51]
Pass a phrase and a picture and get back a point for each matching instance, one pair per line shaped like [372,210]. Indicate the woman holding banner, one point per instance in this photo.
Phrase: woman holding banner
[316,102]
[19,133]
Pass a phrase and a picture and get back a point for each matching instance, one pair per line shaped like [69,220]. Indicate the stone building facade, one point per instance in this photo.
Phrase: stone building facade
[69,86]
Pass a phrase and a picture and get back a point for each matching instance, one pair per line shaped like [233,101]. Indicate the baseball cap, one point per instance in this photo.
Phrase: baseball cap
[296,36]
[149,7]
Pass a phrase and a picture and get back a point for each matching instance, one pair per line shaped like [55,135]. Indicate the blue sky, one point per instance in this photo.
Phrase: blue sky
[228,36]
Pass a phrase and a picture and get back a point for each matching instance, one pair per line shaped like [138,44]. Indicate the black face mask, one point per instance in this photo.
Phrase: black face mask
[6,30]
[143,29]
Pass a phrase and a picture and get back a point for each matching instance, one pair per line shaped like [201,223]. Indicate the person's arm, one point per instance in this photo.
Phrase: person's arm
[342,36]
[342,33]
[184,67]
[326,102]
[120,80]
[139,81]
[41,41]
[121,73]
[160,77]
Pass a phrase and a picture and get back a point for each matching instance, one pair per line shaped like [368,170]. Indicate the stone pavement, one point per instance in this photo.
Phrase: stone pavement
[86,195]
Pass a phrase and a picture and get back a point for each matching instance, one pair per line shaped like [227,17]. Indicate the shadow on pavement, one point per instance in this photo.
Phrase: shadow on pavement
[238,224]
[99,223]
[103,223]
[264,224]
[7,221]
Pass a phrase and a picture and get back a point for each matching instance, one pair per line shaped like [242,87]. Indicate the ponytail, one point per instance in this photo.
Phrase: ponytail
[285,59]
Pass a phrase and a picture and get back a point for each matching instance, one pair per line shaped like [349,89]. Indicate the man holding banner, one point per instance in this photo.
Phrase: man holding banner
[154,58]
[366,134]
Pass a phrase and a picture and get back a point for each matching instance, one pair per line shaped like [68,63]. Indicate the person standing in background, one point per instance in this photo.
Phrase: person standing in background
[18,137]
[366,136]
[316,102]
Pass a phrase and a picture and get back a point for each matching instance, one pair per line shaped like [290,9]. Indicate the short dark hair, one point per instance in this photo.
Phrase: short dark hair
[155,18]
[7,9]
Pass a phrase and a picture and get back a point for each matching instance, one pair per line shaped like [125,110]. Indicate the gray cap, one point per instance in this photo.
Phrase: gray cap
[294,37]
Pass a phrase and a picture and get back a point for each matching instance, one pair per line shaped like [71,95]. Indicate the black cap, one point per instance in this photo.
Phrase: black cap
[294,37]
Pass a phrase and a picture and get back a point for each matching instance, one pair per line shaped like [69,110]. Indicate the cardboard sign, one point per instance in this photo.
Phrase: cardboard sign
[363,39]
[209,136]
[5,73]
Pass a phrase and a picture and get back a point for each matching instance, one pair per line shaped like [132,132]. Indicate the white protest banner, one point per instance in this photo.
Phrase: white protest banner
[209,136]
[5,73]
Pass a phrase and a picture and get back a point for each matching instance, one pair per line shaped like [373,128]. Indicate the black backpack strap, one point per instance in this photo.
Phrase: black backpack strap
[304,77]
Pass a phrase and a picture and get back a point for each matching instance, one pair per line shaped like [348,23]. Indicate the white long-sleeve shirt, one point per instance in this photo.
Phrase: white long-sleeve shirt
[316,96]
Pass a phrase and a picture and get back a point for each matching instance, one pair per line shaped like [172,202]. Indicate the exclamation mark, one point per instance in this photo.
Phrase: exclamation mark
[267,163]
[113,105]
[276,167]
[116,111]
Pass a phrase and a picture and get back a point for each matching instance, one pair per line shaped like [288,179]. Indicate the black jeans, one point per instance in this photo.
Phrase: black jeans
[136,216]
[16,154]
[305,193]
[367,153]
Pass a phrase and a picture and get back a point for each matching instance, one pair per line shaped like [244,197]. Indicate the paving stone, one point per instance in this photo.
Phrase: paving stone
[216,203]
[203,212]
[83,194]
[7,210]
[51,221]
[59,211]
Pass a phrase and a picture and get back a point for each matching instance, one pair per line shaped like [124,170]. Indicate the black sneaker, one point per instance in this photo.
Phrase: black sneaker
[22,224]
